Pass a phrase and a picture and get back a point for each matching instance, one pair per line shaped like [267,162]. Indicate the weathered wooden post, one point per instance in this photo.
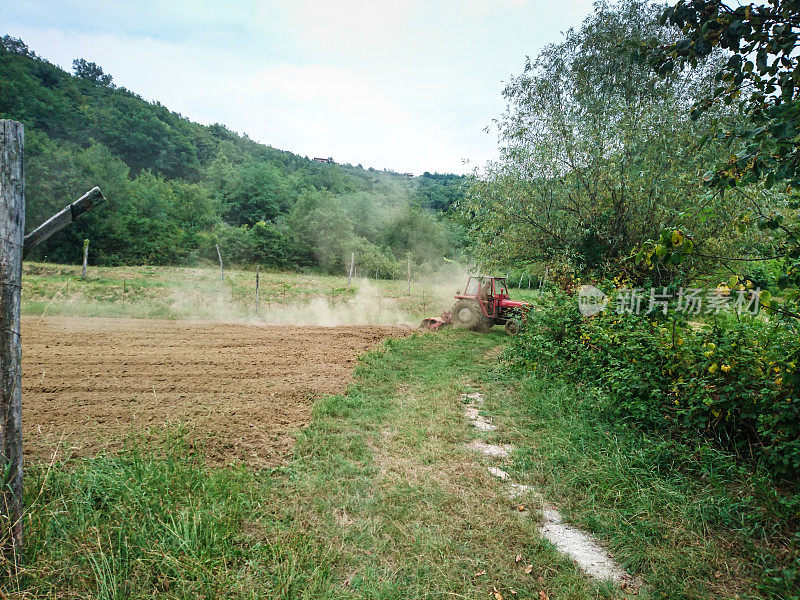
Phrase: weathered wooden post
[85,257]
[350,272]
[221,268]
[14,244]
[258,268]
[519,285]
[408,272]
[12,236]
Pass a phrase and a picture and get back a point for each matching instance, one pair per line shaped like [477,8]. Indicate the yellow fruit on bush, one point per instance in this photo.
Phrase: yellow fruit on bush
[713,368]
[725,368]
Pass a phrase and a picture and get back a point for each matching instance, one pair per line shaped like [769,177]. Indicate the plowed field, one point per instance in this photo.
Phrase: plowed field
[241,391]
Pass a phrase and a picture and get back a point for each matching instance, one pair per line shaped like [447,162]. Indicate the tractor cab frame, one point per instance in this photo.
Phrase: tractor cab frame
[489,292]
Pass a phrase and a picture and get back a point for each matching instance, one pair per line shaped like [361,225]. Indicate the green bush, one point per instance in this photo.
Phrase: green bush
[733,380]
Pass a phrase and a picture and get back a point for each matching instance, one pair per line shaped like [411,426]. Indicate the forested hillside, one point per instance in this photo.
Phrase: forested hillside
[176,188]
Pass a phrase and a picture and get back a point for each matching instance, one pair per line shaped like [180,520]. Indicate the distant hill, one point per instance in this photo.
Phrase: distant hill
[176,188]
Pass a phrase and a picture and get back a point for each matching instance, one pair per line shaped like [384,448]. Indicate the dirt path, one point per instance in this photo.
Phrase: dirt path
[242,390]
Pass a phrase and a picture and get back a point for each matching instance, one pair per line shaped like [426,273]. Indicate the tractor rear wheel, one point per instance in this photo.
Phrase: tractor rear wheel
[467,315]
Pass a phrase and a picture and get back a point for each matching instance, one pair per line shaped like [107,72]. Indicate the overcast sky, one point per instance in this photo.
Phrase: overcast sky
[403,84]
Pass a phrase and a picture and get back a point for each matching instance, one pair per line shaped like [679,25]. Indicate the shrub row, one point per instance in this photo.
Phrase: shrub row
[732,379]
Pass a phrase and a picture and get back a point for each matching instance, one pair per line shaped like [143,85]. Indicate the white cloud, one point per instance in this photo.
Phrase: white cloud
[347,25]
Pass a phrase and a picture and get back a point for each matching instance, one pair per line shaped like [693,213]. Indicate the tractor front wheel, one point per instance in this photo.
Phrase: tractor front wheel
[512,327]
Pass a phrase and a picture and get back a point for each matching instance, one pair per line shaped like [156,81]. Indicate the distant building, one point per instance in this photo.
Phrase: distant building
[324,160]
[407,174]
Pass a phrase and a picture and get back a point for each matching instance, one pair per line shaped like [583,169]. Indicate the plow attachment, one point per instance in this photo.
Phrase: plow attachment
[436,323]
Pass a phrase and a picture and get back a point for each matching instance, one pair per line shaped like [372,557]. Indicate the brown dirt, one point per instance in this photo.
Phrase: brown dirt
[243,391]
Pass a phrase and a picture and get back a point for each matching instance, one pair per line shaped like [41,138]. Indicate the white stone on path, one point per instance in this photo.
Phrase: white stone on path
[482,424]
[475,397]
[490,449]
[580,547]
[499,473]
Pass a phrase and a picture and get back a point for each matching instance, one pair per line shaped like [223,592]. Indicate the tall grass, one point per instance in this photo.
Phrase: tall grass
[139,526]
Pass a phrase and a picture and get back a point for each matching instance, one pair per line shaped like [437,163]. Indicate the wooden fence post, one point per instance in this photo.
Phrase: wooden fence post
[519,285]
[408,272]
[258,268]
[221,268]
[85,257]
[350,272]
[12,235]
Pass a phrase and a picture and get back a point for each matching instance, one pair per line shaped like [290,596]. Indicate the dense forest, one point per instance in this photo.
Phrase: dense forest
[176,188]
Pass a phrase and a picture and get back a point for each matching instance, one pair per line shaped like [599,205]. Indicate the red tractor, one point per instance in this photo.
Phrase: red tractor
[484,304]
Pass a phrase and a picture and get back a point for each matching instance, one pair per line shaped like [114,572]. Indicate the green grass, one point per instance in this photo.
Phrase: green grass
[381,500]
[695,521]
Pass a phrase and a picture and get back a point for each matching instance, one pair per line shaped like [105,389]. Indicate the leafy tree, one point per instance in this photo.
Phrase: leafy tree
[761,79]
[596,154]
[13,45]
[324,231]
[90,71]
[440,191]
[420,233]
[253,192]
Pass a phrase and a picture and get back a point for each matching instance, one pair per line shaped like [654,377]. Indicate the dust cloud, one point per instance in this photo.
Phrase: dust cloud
[368,306]
[366,302]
